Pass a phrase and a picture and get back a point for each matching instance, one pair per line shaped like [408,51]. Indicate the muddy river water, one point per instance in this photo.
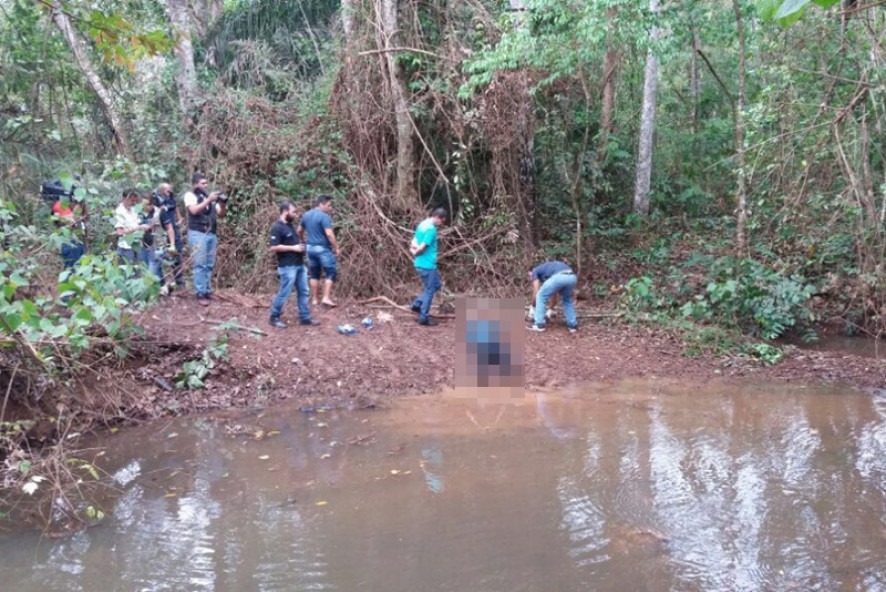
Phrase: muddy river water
[634,486]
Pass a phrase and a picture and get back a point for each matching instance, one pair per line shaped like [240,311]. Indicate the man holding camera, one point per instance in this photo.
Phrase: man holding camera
[204,208]
[171,220]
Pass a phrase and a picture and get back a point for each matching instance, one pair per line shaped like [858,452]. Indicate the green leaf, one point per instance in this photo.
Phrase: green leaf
[14,321]
[789,8]
[24,467]
[825,3]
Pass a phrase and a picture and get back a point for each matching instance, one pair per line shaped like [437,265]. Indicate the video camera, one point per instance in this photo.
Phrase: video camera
[52,191]
[222,197]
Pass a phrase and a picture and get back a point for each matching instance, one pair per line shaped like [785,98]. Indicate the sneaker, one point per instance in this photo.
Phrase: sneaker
[277,323]
[308,322]
[202,300]
[536,328]
[164,291]
[573,330]
[428,322]
[415,308]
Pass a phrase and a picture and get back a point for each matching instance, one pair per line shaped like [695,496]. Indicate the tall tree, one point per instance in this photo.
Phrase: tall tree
[185,73]
[647,123]
[63,22]
[610,78]
[390,32]
[741,192]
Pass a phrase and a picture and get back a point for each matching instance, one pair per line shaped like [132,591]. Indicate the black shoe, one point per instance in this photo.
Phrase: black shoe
[309,322]
[415,308]
[428,322]
[277,323]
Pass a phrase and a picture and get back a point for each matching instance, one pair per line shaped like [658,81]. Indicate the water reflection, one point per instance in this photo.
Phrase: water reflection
[631,487]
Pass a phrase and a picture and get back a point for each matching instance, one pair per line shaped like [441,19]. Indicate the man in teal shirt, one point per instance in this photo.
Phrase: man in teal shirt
[424,249]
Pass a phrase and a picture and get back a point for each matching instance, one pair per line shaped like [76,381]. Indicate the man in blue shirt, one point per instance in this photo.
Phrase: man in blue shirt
[424,249]
[549,278]
[316,231]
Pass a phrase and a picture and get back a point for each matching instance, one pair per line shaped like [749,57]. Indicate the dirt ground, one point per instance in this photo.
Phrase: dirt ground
[322,367]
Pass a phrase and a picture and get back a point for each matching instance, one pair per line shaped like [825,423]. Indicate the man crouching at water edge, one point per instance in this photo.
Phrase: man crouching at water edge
[548,279]
[424,249]
[290,267]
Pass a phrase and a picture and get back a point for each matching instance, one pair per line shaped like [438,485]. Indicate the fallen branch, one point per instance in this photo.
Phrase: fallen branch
[235,326]
[390,302]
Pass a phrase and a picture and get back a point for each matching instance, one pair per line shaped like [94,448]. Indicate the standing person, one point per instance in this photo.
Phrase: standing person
[284,241]
[424,249]
[126,223]
[315,229]
[171,221]
[150,216]
[203,211]
[548,279]
[73,215]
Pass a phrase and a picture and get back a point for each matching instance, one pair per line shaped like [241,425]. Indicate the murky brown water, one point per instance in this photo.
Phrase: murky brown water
[628,487]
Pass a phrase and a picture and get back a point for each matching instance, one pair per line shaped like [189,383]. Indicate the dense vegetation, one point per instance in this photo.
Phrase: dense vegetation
[717,166]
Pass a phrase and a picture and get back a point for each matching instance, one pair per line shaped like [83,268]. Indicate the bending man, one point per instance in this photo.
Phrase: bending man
[548,279]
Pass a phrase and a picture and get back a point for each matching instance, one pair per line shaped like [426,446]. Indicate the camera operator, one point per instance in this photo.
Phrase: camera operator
[72,214]
[171,220]
[203,211]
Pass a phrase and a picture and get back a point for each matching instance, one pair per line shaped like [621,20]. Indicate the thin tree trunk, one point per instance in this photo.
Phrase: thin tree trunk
[607,102]
[405,139]
[185,73]
[694,79]
[647,125]
[741,214]
[348,20]
[63,23]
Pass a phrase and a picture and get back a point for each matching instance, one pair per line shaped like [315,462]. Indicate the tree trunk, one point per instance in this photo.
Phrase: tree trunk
[741,214]
[348,19]
[61,20]
[399,92]
[694,79]
[607,101]
[647,125]
[203,14]
[185,73]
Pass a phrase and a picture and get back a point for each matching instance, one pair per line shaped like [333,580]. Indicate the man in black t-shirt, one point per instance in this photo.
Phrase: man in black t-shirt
[284,241]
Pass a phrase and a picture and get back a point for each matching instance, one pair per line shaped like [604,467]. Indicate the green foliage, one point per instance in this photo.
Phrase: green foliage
[97,293]
[746,295]
[787,12]
[194,372]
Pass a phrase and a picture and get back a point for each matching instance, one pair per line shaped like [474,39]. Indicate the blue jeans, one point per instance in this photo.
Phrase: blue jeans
[564,283]
[430,280]
[321,258]
[203,246]
[71,253]
[148,257]
[292,276]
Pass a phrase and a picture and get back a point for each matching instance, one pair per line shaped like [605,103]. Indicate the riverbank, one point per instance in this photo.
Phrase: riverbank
[397,357]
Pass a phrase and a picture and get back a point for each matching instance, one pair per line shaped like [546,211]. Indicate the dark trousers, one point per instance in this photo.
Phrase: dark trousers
[430,281]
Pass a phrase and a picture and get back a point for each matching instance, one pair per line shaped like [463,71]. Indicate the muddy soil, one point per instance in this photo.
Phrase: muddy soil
[322,367]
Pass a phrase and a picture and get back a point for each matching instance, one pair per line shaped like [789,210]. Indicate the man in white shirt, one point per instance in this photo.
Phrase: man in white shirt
[203,211]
